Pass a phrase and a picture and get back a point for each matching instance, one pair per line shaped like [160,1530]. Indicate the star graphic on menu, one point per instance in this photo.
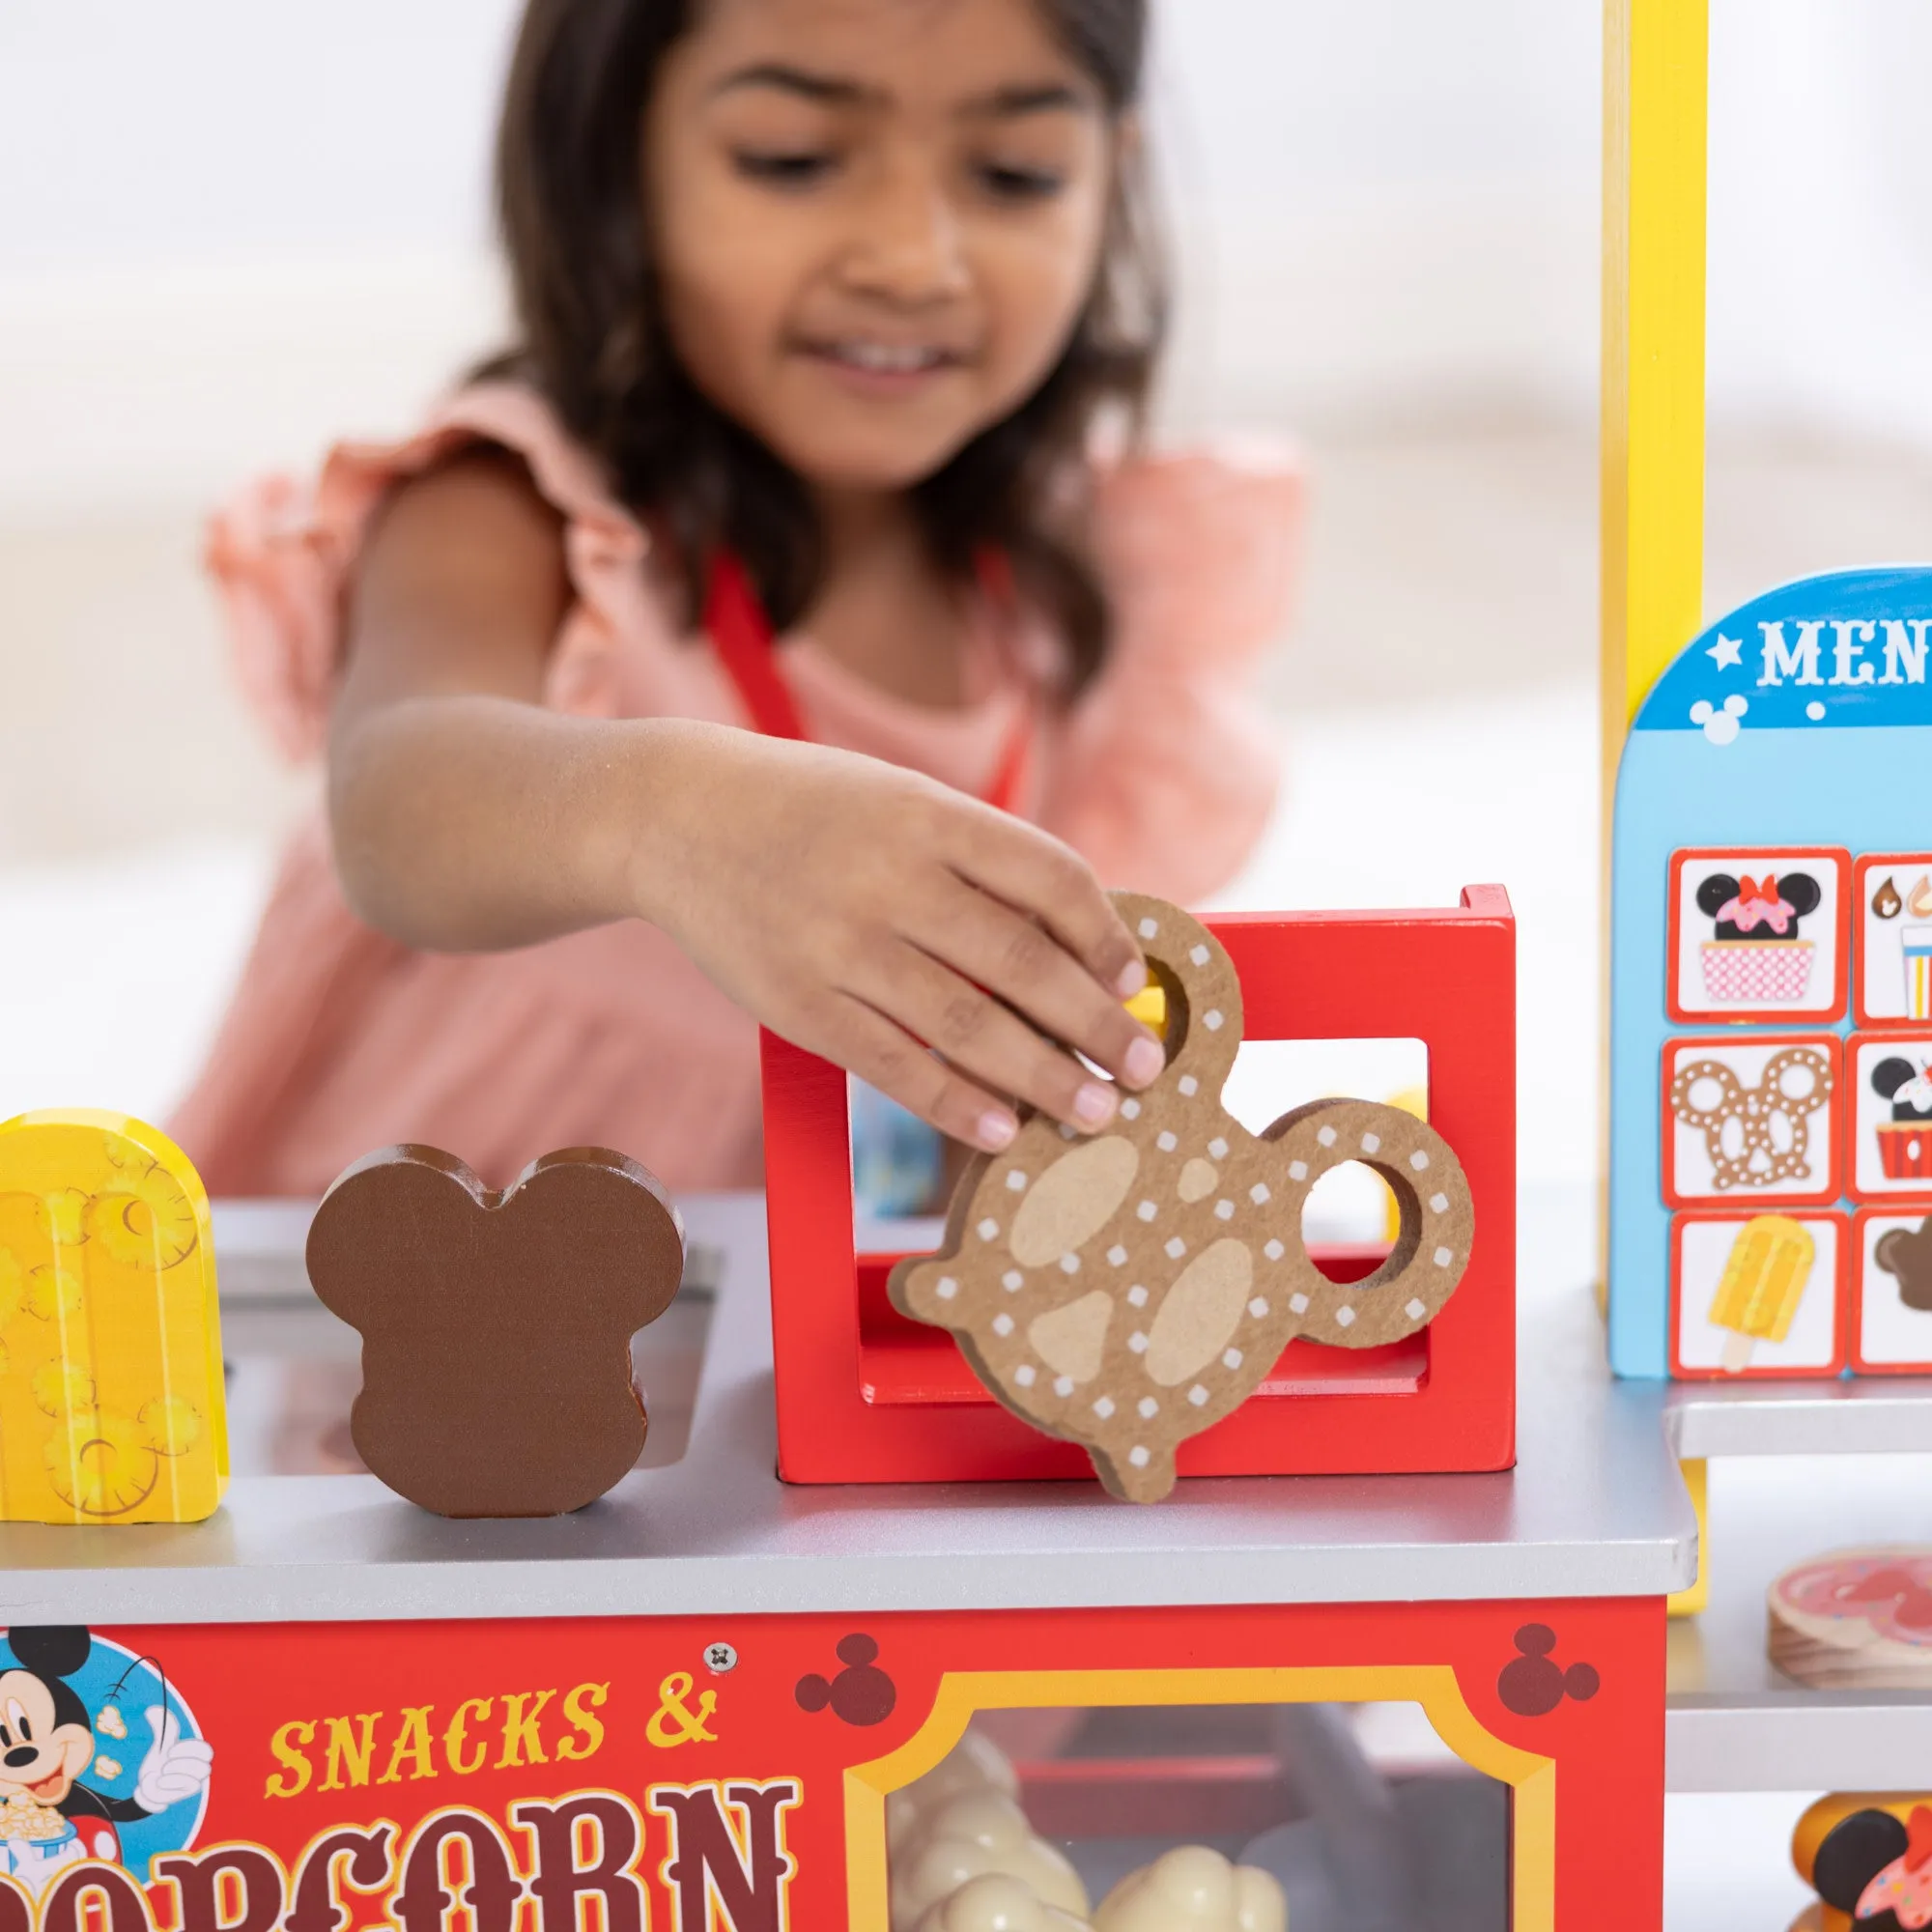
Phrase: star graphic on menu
[1726,653]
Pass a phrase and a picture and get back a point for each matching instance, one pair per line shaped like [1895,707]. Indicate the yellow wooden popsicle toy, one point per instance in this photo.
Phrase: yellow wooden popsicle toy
[111,1395]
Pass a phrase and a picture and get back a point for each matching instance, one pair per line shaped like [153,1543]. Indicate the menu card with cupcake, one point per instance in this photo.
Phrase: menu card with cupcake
[1759,934]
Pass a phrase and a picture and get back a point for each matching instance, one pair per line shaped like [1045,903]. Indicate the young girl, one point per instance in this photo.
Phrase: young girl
[819,303]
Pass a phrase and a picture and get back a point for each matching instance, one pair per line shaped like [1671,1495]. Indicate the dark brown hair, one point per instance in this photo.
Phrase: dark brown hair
[594,344]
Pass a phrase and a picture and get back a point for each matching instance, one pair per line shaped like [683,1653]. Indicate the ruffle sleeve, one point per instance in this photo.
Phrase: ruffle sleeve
[1167,765]
[282,556]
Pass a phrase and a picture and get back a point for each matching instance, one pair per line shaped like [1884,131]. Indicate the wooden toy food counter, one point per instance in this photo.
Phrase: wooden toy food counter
[688,1704]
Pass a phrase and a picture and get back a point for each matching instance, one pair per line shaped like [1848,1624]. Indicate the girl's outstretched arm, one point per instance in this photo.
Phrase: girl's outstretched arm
[854,907]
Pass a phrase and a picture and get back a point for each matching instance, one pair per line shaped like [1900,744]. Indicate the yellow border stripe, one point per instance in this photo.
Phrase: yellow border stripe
[1432,1686]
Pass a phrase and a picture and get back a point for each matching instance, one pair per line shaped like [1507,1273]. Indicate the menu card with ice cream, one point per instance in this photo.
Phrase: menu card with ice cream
[1771,994]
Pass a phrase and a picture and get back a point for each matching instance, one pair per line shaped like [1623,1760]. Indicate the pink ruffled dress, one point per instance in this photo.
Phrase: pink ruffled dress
[339,1039]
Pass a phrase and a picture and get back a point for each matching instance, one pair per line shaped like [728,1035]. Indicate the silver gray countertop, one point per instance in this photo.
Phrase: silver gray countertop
[1594,1508]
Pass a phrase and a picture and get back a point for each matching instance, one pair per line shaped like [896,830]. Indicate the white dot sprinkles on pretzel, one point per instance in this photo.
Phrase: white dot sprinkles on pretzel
[1193,1223]
[1149,928]
[1773,1119]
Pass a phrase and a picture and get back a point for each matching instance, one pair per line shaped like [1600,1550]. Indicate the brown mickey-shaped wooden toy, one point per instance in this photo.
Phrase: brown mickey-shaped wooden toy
[497,1377]
[1128,1291]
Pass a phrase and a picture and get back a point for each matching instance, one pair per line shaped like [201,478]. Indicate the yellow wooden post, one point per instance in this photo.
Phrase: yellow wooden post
[1656,75]
[1656,148]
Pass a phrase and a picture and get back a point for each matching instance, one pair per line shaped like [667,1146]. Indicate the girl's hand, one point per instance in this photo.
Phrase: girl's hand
[868,914]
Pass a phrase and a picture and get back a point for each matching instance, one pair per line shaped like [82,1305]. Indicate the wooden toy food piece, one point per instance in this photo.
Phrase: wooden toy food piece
[997,1903]
[497,1377]
[1856,1620]
[1194,1889]
[976,1763]
[968,1837]
[111,1393]
[1128,1291]
[1869,1856]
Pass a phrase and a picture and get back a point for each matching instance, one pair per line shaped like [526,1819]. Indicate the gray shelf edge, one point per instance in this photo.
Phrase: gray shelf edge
[1871,1415]
[1812,1740]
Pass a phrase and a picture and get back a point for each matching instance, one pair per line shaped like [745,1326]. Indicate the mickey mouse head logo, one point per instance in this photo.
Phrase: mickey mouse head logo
[1533,1683]
[1906,1255]
[1127,1291]
[497,1377]
[861,1693]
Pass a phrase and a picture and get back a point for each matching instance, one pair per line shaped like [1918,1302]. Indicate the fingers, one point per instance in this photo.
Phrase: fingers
[1037,875]
[1030,970]
[885,1056]
[980,1039]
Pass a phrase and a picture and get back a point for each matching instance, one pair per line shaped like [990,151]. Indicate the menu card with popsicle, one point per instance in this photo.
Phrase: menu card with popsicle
[1759,1294]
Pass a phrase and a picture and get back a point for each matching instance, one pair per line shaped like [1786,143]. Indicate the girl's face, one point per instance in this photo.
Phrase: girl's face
[875,221]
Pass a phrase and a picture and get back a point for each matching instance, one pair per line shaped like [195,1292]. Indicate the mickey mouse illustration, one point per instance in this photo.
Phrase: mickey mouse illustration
[1769,908]
[1905,1141]
[1907,1087]
[47,1818]
[1757,953]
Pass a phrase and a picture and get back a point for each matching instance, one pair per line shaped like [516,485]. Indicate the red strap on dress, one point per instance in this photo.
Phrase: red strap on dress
[740,633]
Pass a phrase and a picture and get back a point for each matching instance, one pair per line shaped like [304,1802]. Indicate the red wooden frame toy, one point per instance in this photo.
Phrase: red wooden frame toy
[867,1396]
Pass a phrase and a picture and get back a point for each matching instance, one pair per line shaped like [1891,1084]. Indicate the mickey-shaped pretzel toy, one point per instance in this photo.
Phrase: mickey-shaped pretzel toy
[1130,1291]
